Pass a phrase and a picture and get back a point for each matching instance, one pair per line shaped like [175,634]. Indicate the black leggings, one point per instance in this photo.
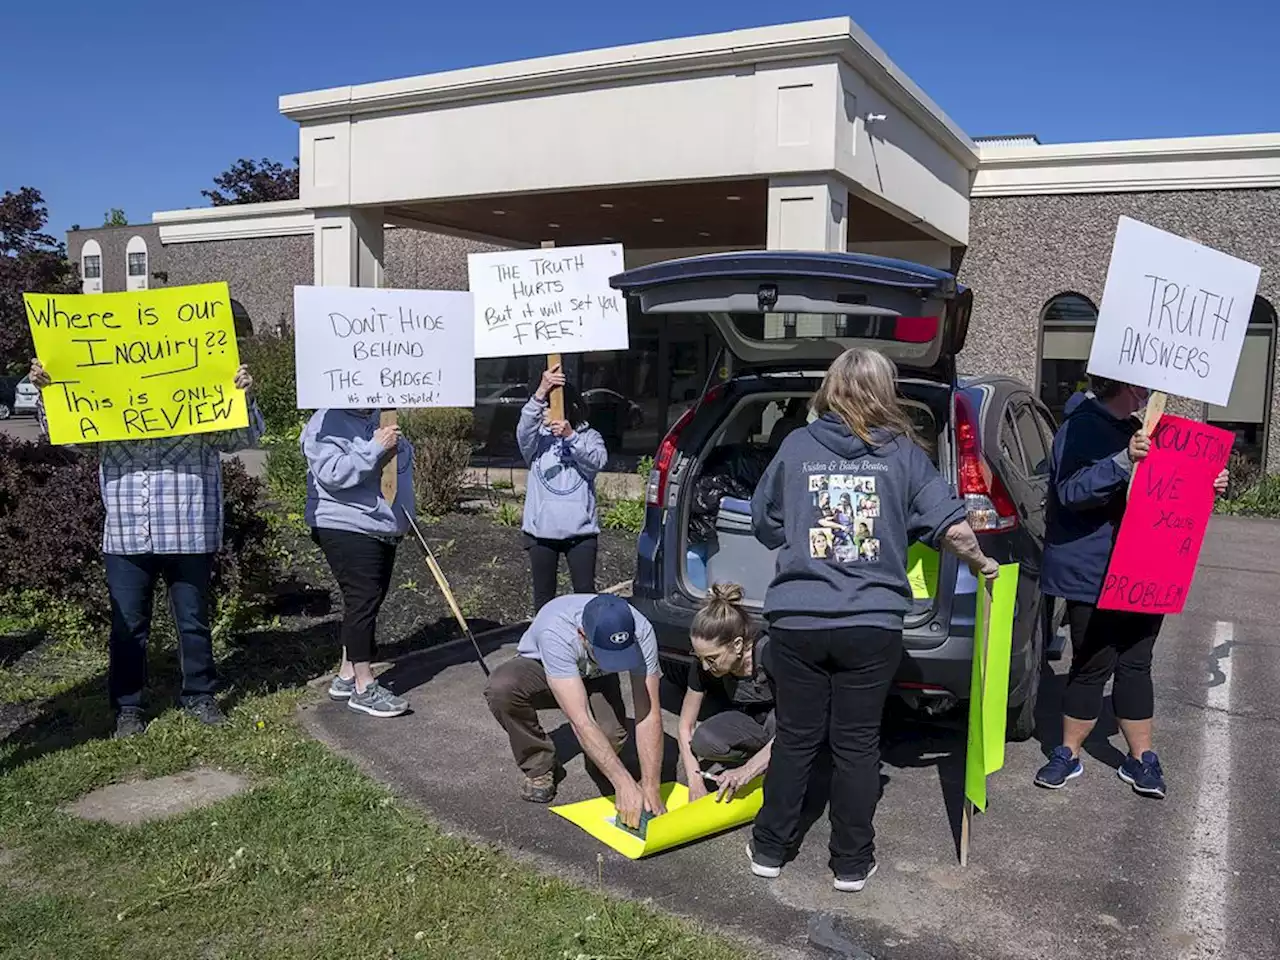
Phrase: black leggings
[1106,643]
[544,562]
[362,566]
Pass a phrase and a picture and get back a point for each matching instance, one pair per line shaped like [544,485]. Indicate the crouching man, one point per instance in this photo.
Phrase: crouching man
[570,658]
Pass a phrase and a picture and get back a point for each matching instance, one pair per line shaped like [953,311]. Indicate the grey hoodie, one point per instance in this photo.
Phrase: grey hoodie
[560,499]
[841,515]
[344,475]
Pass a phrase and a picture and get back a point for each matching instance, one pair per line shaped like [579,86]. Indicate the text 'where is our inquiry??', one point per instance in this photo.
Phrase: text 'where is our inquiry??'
[550,300]
[137,365]
[368,347]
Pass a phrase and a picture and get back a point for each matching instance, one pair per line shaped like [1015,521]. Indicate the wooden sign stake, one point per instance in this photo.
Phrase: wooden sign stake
[557,395]
[984,593]
[389,473]
[1155,410]
[553,359]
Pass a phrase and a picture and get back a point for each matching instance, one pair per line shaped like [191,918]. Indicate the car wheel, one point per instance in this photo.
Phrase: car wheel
[1022,718]
[5,411]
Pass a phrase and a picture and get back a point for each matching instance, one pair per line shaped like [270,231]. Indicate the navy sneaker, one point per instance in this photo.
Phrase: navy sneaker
[1063,765]
[1144,775]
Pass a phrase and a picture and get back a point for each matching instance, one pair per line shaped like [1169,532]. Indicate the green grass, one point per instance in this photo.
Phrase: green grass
[315,861]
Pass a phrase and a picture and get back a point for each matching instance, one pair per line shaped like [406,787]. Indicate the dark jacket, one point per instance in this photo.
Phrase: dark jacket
[841,515]
[1089,472]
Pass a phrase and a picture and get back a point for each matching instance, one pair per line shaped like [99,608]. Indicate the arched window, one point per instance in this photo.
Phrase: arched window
[1066,336]
[1248,410]
[240,317]
[91,267]
[136,264]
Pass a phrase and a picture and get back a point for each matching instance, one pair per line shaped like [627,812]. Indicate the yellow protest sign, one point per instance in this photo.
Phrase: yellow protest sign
[683,822]
[130,366]
[922,571]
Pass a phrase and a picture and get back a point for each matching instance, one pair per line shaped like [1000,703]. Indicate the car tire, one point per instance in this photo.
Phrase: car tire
[6,411]
[1022,718]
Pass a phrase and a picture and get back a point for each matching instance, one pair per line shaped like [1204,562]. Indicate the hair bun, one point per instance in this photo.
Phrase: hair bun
[727,593]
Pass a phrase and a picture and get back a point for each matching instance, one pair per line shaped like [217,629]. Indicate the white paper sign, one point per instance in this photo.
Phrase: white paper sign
[369,347]
[1173,315]
[556,300]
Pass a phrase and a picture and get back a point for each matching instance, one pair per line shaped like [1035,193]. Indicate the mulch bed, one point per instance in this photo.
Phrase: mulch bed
[484,562]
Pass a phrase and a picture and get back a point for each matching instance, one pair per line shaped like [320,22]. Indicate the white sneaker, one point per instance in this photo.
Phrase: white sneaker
[767,870]
[854,882]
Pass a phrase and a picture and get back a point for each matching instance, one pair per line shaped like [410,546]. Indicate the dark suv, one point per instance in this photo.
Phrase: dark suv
[783,318]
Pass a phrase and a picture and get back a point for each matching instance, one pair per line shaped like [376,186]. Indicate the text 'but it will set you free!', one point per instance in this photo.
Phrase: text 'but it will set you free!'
[128,366]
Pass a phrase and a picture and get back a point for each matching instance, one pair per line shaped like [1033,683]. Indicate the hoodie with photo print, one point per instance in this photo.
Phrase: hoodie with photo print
[841,514]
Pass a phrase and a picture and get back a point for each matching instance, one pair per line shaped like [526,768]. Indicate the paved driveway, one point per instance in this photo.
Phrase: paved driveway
[1091,871]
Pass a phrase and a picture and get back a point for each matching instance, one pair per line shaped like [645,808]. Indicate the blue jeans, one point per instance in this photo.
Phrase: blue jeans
[131,581]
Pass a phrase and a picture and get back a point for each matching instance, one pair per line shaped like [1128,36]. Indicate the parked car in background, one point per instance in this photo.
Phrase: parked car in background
[783,318]
[26,397]
[8,395]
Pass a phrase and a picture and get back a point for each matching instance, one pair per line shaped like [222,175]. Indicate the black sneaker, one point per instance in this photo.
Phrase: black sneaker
[1144,775]
[207,711]
[855,881]
[129,723]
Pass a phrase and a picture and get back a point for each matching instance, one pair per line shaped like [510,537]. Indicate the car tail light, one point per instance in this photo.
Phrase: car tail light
[990,507]
[656,489]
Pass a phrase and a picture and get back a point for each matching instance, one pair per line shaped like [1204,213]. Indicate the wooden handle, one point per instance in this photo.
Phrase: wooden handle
[389,472]
[557,395]
[1155,410]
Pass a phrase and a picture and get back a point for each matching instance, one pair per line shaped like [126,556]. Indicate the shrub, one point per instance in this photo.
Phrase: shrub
[1260,500]
[1245,474]
[509,514]
[286,472]
[271,362]
[51,524]
[51,533]
[625,515]
[247,568]
[441,438]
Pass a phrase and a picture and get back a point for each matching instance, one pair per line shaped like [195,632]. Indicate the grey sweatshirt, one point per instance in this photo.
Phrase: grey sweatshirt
[841,515]
[560,501]
[344,475]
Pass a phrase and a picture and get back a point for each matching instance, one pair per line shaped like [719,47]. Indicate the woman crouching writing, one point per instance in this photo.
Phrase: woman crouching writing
[733,672]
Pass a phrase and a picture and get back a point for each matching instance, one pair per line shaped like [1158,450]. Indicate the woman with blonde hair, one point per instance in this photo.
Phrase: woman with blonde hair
[835,620]
[733,674]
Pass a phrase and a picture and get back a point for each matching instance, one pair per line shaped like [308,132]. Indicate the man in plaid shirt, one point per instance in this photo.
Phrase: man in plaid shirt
[163,500]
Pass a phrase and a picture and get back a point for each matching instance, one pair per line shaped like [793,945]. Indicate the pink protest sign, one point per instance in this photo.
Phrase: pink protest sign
[1169,507]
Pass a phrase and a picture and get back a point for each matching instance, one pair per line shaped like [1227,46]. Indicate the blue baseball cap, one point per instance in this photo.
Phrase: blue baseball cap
[610,627]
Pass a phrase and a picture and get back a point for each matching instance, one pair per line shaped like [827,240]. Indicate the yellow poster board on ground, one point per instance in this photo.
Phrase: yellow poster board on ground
[683,822]
[138,365]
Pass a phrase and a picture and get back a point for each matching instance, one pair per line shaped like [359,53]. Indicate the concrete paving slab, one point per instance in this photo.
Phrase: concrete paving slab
[1088,872]
[127,804]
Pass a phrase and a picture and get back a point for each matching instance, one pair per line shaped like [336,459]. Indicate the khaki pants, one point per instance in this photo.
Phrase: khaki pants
[518,689]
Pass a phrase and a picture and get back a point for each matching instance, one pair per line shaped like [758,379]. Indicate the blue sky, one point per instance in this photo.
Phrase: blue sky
[137,105]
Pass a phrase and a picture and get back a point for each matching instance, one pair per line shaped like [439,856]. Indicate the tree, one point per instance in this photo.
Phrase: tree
[31,261]
[254,181]
[115,218]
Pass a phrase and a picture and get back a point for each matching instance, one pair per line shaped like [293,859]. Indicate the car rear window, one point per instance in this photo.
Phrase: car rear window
[764,420]
[766,327]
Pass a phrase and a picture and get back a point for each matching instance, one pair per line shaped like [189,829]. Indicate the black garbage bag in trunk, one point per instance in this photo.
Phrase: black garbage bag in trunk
[733,470]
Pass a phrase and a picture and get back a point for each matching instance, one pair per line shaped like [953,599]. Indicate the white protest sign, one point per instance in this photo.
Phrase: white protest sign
[368,347]
[553,300]
[1173,315]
